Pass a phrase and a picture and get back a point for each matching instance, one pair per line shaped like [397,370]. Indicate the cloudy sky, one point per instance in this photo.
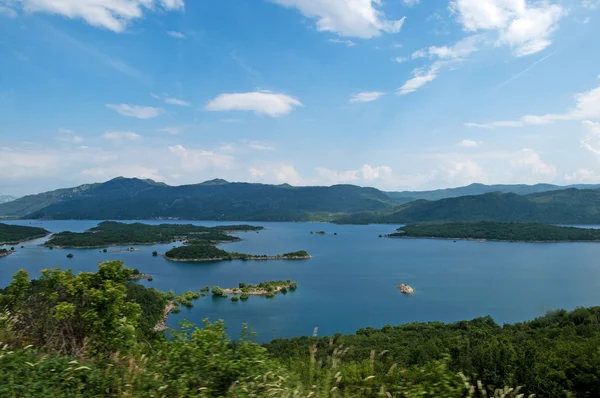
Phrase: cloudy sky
[396,94]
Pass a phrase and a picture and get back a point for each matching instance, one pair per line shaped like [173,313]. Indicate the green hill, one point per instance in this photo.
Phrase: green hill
[569,206]
[124,198]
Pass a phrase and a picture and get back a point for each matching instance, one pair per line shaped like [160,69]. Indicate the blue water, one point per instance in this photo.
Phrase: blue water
[350,281]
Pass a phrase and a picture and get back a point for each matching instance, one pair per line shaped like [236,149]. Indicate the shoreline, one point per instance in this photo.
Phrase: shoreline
[140,277]
[161,325]
[482,240]
[257,292]
[130,244]
[8,253]
[268,258]
[26,240]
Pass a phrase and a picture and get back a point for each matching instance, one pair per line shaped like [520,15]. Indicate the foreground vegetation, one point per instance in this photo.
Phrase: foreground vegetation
[91,335]
[13,234]
[110,233]
[504,231]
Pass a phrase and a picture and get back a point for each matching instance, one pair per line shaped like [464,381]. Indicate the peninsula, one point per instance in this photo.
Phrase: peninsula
[498,231]
[14,234]
[5,252]
[110,233]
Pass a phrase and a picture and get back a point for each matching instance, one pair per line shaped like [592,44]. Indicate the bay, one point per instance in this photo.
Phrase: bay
[350,282]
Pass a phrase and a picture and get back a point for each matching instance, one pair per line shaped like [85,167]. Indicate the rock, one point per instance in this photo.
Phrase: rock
[405,289]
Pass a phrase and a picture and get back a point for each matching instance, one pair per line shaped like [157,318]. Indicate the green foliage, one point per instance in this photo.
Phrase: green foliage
[12,234]
[71,314]
[197,252]
[217,291]
[244,296]
[70,255]
[110,233]
[300,253]
[152,303]
[154,253]
[205,289]
[508,231]
[235,298]
[242,285]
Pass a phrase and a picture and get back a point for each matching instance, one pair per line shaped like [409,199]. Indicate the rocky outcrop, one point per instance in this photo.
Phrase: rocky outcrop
[161,326]
[405,289]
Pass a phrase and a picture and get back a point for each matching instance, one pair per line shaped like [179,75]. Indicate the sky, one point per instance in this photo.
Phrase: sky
[394,94]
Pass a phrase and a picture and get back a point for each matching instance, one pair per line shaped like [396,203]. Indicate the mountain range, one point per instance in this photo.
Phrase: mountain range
[132,198]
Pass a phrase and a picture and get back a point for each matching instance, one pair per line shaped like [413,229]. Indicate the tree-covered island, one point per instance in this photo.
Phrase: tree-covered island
[207,252]
[110,233]
[14,234]
[498,231]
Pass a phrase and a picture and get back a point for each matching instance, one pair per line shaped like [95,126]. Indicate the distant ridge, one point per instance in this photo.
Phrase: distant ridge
[132,198]
[6,198]
[479,189]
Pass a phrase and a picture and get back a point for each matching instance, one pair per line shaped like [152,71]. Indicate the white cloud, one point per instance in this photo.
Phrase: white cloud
[583,176]
[587,106]
[530,161]
[366,96]
[114,15]
[175,101]
[366,174]
[9,12]
[348,43]
[460,49]
[260,146]
[400,59]
[419,54]
[421,78]
[260,102]
[465,171]
[141,112]
[171,130]
[175,34]
[353,18]
[121,136]
[591,4]
[68,136]
[468,144]
[192,160]
[277,173]
[524,27]
[411,3]
[591,141]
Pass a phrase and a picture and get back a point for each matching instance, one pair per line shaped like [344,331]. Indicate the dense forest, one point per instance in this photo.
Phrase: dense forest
[568,206]
[110,233]
[13,234]
[505,231]
[91,334]
[210,252]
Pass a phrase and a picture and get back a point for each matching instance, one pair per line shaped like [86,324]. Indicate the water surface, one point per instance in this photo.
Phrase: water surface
[350,281]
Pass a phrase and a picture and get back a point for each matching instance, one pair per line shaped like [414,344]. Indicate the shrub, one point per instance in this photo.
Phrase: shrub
[217,291]
[235,298]
[244,297]
[154,253]
[70,255]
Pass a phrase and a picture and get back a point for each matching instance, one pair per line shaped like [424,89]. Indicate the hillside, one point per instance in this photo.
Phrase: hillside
[569,206]
[479,189]
[124,198]
[6,198]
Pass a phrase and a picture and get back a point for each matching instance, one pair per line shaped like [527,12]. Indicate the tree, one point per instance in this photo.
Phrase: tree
[235,298]
[217,291]
[154,253]
[70,255]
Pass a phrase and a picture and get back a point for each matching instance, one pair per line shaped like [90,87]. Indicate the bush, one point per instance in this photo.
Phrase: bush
[270,294]
[244,297]
[235,298]
[70,255]
[154,253]
[242,285]
[104,250]
[217,291]
[205,289]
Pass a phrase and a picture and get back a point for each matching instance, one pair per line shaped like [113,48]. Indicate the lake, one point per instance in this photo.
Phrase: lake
[350,282]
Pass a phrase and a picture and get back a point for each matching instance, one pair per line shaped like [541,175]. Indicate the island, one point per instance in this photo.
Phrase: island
[498,231]
[5,252]
[318,232]
[111,233]
[268,289]
[405,289]
[15,234]
[205,252]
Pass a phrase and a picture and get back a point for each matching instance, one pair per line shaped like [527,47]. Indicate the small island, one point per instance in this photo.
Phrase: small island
[498,231]
[269,289]
[204,252]
[5,252]
[111,233]
[405,289]
[15,234]
[318,232]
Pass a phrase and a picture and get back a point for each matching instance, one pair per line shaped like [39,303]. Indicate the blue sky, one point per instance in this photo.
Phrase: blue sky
[396,94]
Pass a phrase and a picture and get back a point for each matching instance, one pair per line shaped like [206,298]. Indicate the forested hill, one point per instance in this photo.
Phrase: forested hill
[568,206]
[124,198]
[480,189]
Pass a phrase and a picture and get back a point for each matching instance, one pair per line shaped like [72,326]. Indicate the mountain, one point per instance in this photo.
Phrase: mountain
[567,206]
[6,198]
[131,198]
[479,189]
